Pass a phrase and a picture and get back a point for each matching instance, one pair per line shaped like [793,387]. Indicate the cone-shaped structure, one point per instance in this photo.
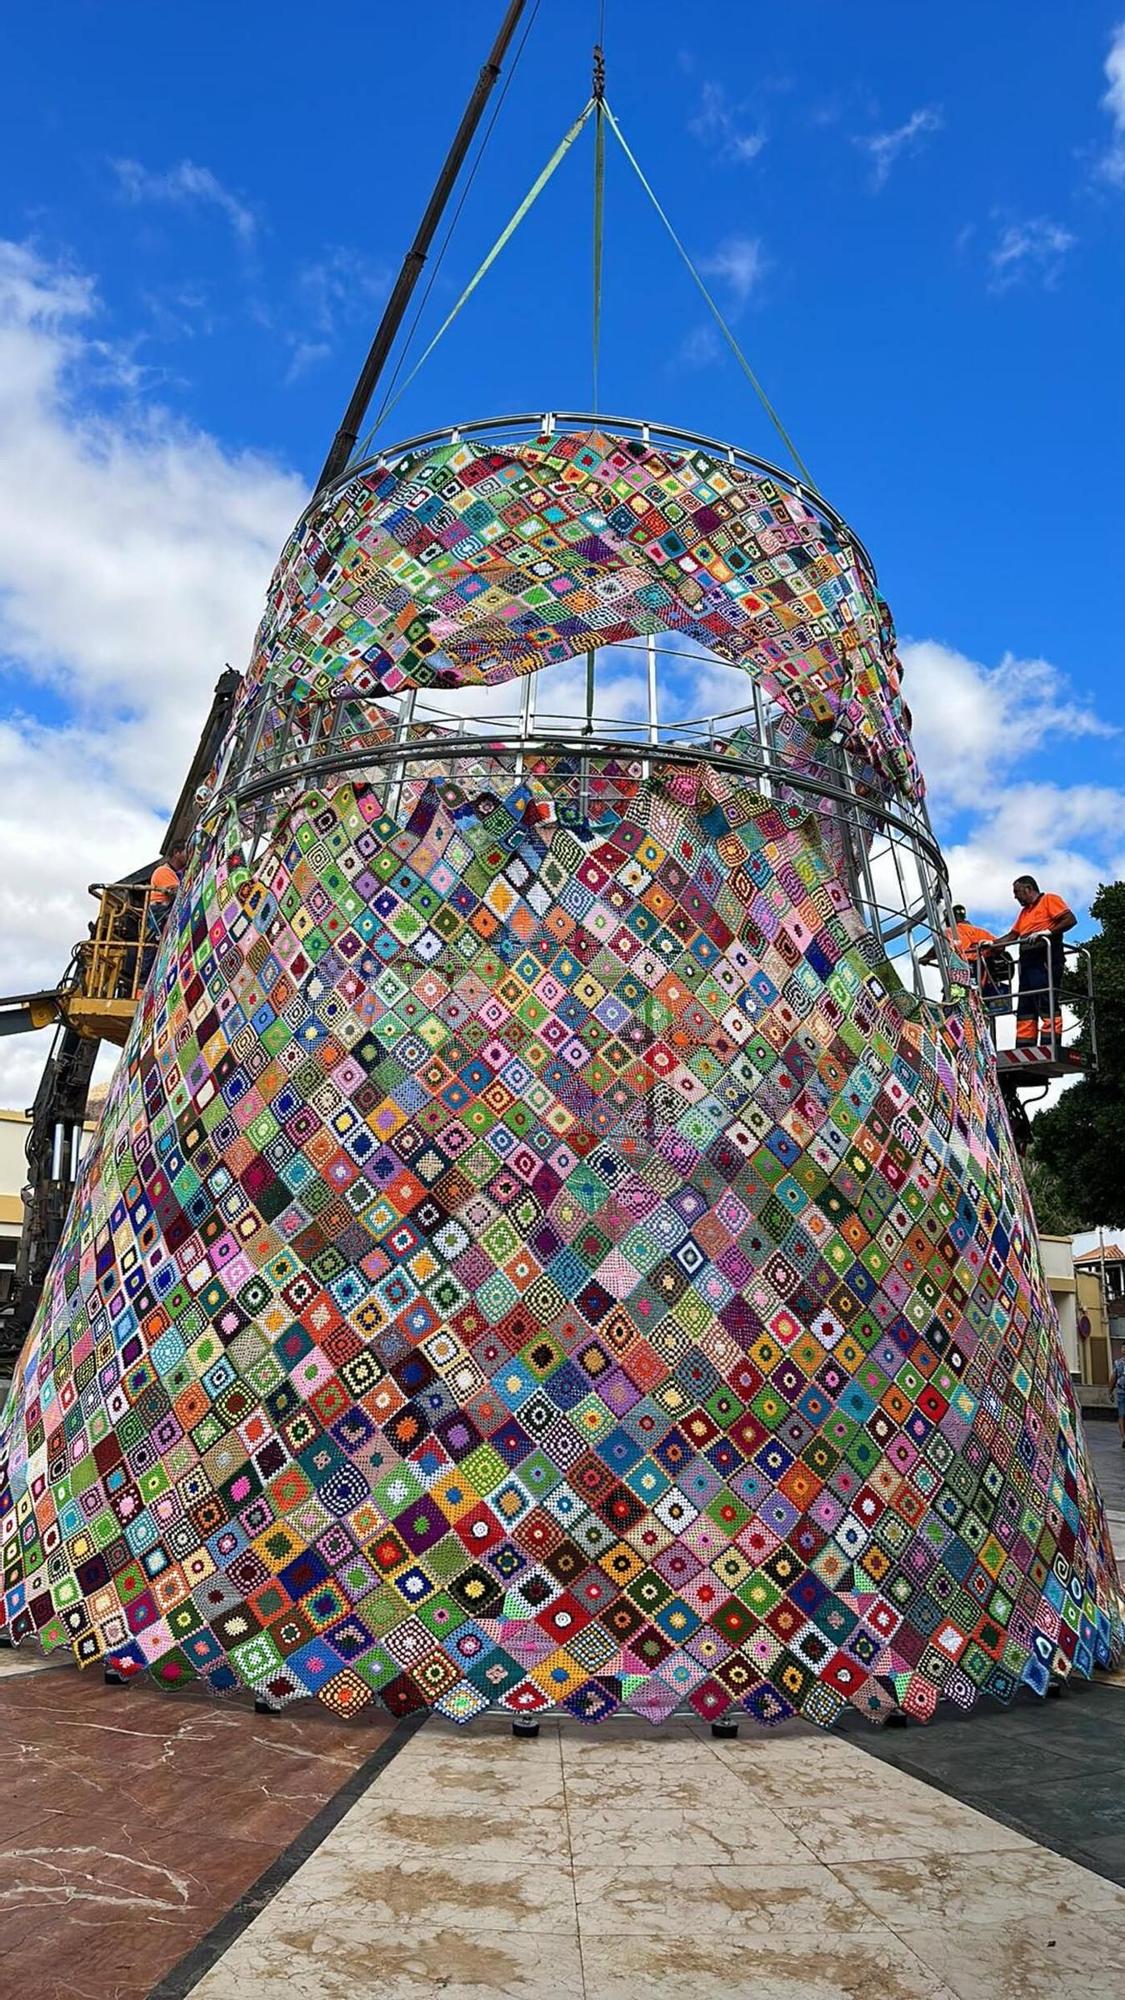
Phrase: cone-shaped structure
[537,1249]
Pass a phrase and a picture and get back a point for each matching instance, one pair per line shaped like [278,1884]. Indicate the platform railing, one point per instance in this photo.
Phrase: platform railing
[589,760]
[886,854]
[526,426]
[1066,1030]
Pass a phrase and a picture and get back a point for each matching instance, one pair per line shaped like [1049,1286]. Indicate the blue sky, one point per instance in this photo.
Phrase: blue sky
[915,218]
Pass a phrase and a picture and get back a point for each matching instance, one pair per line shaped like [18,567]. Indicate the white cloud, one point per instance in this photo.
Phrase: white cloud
[885,148]
[134,556]
[722,127]
[740,263]
[65,822]
[341,285]
[337,289]
[306,354]
[1028,250]
[700,346]
[973,724]
[1113,159]
[1070,837]
[183,186]
[180,312]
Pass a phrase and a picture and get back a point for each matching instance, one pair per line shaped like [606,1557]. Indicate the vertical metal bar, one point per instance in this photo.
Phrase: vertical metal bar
[588,730]
[525,721]
[254,737]
[316,731]
[939,904]
[763,739]
[225,763]
[402,732]
[940,927]
[94,964]
[855,847]
[919,983]
[863,856]
[651,701]
[281,746]
[142,942]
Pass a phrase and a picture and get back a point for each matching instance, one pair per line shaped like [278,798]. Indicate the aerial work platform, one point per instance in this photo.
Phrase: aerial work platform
[1067,1044]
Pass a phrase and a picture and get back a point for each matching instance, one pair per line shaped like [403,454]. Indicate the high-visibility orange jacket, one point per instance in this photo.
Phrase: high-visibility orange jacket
[1040,915]
[163,884]
[969,938]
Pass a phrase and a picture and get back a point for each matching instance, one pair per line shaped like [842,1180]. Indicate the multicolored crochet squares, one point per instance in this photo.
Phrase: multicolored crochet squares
[539,1256]
[479,562]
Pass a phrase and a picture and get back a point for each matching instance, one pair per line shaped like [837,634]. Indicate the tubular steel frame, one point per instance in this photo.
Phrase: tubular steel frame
[891,860]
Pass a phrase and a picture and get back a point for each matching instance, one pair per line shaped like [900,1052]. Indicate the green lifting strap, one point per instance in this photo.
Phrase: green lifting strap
[736,350]
[505,236]
[599,234]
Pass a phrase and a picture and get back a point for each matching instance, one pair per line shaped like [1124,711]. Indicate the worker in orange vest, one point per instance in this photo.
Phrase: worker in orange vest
[968,937]
[975,945]
[1038,930]
[163,887]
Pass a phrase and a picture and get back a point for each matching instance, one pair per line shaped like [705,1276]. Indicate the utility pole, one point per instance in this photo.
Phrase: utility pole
[348,433]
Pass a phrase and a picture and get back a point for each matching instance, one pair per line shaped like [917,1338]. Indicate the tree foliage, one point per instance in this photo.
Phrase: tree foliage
[1053,1215]
[1080,1141]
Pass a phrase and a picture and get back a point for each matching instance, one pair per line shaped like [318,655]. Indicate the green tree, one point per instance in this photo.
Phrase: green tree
[1080,1141]
[1053,1216]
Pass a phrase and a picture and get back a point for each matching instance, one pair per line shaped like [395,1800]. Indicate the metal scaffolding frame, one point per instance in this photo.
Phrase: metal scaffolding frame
[590,761]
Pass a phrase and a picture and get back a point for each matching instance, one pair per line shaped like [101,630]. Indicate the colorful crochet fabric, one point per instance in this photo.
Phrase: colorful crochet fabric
[534,1256]
[478,563]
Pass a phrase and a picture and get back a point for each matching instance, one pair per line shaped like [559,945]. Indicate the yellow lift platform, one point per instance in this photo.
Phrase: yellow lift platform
[97,995]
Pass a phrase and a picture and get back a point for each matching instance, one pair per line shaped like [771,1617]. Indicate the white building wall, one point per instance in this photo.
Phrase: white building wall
[1057,1253]
[13,1173]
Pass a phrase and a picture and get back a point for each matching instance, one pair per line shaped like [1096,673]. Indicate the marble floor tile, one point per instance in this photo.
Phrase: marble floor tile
[867,1829]
[960,1888]
[396,1823]
[151,1757]
[705,1790]
[278,1958]
[618,1836]
[489,1771]
[102,1913]
[133,1819]
[1028,1957]
[807,1774]
[609,1740]
[349,1890]
[862,1966]
[758,1900]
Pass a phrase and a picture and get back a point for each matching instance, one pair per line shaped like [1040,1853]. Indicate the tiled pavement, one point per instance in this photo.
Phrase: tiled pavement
[164,1845]
[1109,1469]
[616,1865]
[130,1823]
[1062,1779]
